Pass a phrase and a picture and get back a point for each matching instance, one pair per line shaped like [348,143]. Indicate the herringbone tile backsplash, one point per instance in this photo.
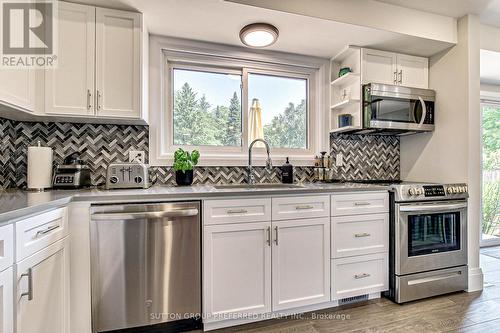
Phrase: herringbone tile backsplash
[365,157]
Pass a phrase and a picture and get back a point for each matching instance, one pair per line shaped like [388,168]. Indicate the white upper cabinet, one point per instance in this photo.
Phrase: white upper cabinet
[378,66]
[394,68]
[413,71]
[300,260]
[118,44]
[69,88]
[17,88]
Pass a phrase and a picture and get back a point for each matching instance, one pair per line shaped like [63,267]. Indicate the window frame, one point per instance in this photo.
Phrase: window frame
[209,57]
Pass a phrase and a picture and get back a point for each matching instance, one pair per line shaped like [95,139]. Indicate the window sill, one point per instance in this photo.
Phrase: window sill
[258,159]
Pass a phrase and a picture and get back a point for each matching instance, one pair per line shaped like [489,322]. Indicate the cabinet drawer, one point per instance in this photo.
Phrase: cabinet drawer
[288,208]
[361,275]
[37,232]
[6,246]
[360,203]
[360,234]
[236,211]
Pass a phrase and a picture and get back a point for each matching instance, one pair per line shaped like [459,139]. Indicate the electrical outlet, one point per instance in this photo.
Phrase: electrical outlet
[136,156]
[339,160]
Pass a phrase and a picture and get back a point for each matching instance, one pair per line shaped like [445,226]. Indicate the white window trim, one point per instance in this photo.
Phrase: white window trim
[165,49]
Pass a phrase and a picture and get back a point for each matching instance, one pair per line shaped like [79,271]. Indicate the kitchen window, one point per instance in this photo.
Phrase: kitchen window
[220,104]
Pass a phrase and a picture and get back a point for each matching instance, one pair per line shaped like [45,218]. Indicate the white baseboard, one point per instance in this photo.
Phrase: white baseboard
[475,279]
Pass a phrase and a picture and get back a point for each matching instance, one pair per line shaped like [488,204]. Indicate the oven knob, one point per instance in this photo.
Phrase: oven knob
[466,189]
[455,189]
[419,191]
[411,191]
[449,190]
[138,179]
[113,179]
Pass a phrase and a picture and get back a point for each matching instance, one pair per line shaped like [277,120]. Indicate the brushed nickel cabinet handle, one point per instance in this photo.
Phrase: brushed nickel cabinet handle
[29,293]
[304,207]
[395,77]
[361,276]
[364,234]
[89,98]
[46,231]
[237,211]
[99,97]
[276,239]
[401,77]
[268,229]
[361,204]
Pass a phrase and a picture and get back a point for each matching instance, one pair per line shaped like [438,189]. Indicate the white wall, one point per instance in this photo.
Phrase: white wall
[490,38]
[452,152]
[370,13]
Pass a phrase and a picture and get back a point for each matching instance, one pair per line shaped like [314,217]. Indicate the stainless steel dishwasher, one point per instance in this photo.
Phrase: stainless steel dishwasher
[146,266]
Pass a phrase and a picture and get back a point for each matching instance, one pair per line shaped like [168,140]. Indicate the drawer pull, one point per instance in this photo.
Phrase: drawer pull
[363,234]
[237,211]
[46,231]
[29,293]
[361,276]
[304,207]
[361,204]
[276,239]
[269,236]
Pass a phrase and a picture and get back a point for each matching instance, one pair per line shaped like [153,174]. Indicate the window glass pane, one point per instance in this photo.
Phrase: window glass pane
[491,172]
[283,110]
[207,108]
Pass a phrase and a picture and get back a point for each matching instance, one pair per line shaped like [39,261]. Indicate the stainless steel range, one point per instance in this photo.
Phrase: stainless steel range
[428,243]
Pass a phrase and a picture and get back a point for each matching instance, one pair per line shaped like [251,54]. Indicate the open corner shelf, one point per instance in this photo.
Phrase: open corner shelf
[344,104]
[345,80]
[345,129]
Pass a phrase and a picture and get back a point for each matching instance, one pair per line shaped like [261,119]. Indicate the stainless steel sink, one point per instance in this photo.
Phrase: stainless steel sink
[257,186]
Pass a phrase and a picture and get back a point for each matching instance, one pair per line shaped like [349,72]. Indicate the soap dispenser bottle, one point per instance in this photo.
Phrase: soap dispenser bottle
[287,173]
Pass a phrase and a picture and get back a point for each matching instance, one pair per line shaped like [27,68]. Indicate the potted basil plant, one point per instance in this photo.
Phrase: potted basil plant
[184,163]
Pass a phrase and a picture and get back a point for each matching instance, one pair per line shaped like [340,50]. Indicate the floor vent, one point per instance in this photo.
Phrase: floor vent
[355,299]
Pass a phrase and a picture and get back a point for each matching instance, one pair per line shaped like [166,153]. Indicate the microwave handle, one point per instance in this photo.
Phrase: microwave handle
[424,111]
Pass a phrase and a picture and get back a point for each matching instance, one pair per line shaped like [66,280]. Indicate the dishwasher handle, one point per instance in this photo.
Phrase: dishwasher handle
[145,215]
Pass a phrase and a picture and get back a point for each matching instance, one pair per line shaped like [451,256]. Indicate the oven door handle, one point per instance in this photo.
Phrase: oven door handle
[427,208]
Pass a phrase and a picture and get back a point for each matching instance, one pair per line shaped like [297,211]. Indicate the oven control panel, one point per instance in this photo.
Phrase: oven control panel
[425,192]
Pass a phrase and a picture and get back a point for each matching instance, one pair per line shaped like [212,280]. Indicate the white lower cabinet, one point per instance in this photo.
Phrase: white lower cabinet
[236,270]
[7,301]
[42,290]
[359,275]
[300,262]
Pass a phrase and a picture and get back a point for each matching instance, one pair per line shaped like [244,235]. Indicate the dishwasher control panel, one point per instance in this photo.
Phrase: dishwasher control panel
[127,175]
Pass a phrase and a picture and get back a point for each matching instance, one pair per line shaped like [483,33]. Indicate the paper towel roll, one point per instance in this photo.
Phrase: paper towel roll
[39,167]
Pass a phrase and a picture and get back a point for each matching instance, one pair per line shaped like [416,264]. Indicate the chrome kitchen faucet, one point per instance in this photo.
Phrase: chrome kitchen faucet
[269,163]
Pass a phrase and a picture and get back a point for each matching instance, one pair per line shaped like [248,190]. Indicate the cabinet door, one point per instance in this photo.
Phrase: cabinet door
[7,301]
[236,269]
[118,35]
[69,88]
[413,71]
[17,88]
[378,67]
[43,290]
[301,257]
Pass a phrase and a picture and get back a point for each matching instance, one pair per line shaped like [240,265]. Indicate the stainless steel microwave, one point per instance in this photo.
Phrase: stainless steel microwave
[398,109]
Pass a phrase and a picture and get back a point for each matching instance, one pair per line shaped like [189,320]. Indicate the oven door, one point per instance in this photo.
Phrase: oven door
[430,236]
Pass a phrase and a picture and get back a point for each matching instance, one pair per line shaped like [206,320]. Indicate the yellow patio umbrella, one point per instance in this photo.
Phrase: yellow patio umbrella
[256,129]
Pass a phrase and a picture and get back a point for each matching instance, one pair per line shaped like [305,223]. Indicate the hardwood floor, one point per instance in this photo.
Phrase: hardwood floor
[458,312]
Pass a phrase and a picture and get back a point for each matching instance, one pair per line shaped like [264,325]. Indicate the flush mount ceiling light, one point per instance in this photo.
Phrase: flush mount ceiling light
[259,35]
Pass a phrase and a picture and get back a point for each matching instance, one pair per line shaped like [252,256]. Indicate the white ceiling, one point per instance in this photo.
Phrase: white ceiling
[220,22]
[488,10]
[490,67]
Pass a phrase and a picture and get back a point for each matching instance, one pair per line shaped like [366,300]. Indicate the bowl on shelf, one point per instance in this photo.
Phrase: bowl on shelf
[344,120]
[345,70]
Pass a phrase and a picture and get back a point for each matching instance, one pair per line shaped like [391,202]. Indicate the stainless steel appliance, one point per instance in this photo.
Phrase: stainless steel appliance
[146,266]
[428,240]
[127,175]
[397,109]
[73,174]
